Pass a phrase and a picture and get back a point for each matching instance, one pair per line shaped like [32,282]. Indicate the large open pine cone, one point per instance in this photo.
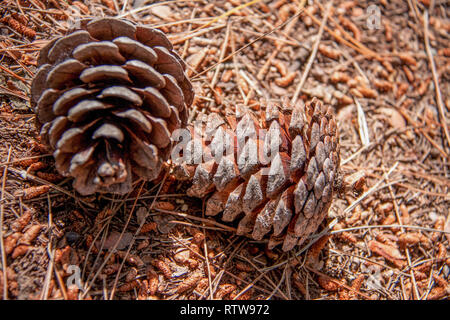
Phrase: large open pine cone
[275,174]
[107,97]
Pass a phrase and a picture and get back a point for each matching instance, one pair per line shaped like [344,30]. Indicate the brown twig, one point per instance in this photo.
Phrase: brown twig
[13,74]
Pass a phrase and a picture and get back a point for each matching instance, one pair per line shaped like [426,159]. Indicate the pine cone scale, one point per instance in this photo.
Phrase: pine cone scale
[61,48]
[166,63]
[152,37]
[99,52]
[65,72]
[111,28]
[68,99]
[123,93]
[45,105]
[39,84]
[134,50]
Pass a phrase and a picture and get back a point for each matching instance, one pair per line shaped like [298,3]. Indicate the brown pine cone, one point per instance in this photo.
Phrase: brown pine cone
[275,173]
[107,98]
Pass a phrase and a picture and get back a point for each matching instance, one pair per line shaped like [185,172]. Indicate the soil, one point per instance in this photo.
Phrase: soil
[383,67]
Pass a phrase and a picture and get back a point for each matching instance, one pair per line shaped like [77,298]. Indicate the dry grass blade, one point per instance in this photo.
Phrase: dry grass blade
[363,129]
[399,220]
[228,13]
[248,45]
[204,220]
[439,101]
[313,53]
[424,133]
[113,291]
[339,283]
[27,176]
[51,252]
[359,47]
[389,226]
[371,190]
[2,217]
[112,249]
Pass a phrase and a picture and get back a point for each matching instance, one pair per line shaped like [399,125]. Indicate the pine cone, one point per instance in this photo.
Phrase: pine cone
[107,97]
[274,175]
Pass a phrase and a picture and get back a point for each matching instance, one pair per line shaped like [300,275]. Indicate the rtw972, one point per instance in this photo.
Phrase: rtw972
[233,309]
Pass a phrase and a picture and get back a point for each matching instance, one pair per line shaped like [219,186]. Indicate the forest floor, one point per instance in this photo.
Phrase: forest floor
[384,68]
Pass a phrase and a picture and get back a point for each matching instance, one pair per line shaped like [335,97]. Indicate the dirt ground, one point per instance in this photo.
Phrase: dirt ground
[382,65]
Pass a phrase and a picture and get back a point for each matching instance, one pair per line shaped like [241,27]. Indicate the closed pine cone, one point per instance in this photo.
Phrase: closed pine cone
[285,188]
[107,97]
